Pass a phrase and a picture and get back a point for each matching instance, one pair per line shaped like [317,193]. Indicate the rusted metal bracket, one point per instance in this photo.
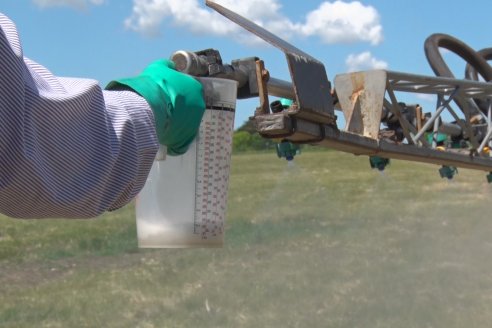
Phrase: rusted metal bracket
[262,77]
[309,80]
[361,99]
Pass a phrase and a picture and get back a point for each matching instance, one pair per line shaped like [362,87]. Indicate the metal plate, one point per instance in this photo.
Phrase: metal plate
[310,82]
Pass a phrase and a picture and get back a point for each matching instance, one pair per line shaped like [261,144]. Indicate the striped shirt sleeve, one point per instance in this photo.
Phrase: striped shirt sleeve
[67,148]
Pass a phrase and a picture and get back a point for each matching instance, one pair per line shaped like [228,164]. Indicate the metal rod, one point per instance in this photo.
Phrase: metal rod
[418,114]
[405,125]
[438,85]
[483,115]
[453,113]
[489,113]
[259,31]
[469,129]
[489,132]
[459,121]
[262,78]
[427,124]
[435,115]
[450,129]
[281,88]
[435,132]
[484,141]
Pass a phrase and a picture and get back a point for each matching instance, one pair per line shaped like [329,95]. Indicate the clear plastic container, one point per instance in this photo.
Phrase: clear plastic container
[184,202]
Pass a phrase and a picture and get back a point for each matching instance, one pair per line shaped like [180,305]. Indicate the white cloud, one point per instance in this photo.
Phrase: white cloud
[364,61]
[148,15]
[80,4]
[344,22]
[332,22]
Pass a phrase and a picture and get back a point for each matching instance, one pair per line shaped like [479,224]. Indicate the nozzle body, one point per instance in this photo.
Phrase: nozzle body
[287,150]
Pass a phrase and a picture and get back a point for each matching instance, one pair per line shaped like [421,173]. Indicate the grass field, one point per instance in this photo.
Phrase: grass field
[323,243]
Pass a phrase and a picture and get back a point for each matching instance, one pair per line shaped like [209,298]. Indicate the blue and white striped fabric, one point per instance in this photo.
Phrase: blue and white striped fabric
[67,148]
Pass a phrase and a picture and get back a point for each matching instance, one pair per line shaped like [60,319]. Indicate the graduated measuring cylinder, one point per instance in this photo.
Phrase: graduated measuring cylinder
[184,202]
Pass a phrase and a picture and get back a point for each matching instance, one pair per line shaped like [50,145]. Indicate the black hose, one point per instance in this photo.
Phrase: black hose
[470,72]
[434,57]
[473,59]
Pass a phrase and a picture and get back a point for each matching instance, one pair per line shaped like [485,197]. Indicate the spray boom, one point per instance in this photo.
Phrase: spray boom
[376,123]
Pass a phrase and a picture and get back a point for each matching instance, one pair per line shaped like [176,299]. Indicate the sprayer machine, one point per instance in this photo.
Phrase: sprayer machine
[377,124]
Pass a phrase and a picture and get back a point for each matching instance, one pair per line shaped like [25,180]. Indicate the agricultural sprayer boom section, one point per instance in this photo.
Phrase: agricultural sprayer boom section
[456,132]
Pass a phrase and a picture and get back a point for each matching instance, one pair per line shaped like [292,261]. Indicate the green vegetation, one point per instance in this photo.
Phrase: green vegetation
[246,138]
[325,242]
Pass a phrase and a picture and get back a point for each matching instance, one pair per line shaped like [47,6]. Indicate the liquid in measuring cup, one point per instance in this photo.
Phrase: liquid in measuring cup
[184,202]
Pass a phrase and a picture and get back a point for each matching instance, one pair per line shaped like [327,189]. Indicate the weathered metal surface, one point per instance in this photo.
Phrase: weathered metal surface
[312,89]
[360,145]
[309,80]
[274,125]
[261,80]
[258,30]
[361,97]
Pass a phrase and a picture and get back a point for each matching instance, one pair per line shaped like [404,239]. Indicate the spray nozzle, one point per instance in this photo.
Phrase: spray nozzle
[287,150]
[448,172]
[379,163]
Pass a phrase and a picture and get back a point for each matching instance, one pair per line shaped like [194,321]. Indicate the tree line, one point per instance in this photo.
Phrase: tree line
[246,138]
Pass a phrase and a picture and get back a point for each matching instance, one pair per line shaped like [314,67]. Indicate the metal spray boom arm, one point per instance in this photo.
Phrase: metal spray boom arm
[367,100]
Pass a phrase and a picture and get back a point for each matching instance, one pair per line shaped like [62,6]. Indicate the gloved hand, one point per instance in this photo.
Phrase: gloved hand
[176,100]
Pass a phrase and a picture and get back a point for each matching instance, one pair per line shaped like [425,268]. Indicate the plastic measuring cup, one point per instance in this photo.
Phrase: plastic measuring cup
[183,203]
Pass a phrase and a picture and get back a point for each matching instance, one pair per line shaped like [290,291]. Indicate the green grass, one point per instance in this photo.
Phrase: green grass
[324,243]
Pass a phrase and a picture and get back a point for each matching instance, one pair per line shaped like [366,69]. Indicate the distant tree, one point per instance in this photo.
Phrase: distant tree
[241,141]
[260,143]
[247,139]
[248,126]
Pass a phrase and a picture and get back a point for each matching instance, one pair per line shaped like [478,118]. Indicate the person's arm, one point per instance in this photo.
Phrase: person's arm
[67,148]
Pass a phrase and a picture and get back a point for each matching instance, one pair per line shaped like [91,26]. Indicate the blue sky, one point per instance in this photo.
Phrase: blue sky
[108,39]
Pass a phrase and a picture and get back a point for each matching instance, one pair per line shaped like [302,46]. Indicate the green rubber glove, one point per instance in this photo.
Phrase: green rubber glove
[176,100]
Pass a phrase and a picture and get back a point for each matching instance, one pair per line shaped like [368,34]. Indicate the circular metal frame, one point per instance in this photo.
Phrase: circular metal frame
[477,63]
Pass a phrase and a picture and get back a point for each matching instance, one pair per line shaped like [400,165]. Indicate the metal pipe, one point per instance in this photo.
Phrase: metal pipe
[427,124]
[451,129]
[281,88]
[190,63]
[435,132]
[489,132]
[489,114]
[484,141]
